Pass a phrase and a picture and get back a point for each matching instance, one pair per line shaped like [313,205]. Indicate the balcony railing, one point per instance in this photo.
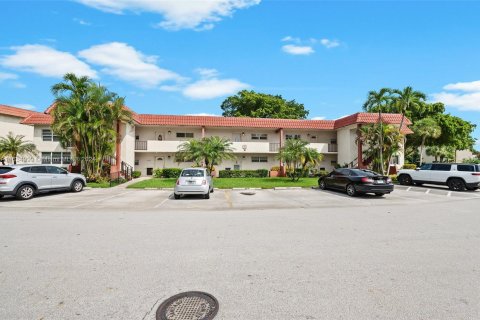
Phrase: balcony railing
[332,147]
[274,147]
[140,145]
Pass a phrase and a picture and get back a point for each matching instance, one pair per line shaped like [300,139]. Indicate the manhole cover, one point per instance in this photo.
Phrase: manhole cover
[188,306]
[248,193]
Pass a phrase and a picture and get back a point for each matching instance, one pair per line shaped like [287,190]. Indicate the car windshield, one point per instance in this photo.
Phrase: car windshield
[192,173]
[364,172]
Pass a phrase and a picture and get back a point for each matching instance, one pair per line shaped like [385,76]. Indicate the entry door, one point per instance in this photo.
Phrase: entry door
[149,171]
[237,137]
[41,177]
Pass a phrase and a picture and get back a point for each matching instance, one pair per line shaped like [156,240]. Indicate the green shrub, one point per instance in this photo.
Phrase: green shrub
[171,172]
[260,173]
[393,177]
[136,174]
[157,173]
[411,166]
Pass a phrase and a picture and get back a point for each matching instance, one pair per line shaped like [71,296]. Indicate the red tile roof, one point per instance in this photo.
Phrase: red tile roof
[15,112]
[210,121]
[32,117]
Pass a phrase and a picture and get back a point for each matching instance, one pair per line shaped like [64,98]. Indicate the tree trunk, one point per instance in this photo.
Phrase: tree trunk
[421,150]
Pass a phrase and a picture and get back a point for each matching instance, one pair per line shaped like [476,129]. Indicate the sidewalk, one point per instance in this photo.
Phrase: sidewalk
[126,184]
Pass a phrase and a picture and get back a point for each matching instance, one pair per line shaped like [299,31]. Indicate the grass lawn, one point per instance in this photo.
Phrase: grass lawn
[228,183]
[104,184]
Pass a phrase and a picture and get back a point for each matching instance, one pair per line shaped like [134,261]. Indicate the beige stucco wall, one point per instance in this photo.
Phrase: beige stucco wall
[127,143]
[347,148]
[12,124]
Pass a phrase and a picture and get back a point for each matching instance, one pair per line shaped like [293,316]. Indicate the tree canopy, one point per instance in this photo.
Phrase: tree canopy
[261,105]
[14,146]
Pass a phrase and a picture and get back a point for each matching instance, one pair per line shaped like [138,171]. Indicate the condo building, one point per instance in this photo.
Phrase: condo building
[153,139]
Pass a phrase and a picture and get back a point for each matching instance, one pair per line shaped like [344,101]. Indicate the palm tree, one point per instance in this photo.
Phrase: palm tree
[310,158]
[441,153]
[208,151]
[426,128]
[13,146]
[378,101]
[406,100]
[85,114]
[292,154]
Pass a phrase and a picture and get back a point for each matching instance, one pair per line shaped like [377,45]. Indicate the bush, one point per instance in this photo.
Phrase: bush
[260,173]
[276,168]
[171,172]
[157,173]
[393,177]
[136,174]
[411,166]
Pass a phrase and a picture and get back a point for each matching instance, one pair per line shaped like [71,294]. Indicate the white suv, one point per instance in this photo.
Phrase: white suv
[24,181]
[457,177]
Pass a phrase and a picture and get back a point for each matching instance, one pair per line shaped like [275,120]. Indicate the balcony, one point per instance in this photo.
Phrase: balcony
[324,147]
[140,145]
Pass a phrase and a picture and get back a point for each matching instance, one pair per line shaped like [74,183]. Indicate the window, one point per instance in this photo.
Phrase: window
[333,141]
[466,167]
[66,158]
[137,162]
[184,134]
[46,157]
[259,136]
[160,137]
[426,166]
[4,170]
[38,169]
[441,167]
[293,136]
[55,170]
[47,135]
[137,137]
[56,158]
[26,169]
[193,173]
[259,159]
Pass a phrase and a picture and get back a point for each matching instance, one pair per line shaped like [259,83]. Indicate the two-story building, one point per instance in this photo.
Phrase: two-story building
[152,140]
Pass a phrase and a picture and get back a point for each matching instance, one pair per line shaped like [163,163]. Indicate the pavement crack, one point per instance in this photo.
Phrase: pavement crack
[149,311]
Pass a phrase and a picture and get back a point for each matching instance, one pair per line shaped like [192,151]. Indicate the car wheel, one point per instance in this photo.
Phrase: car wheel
[207,196]
[25,192]
[456,184]
[1,196]
[176,196]
[211,191]
[405,180]
[379,194]
[77,186]
[351,190]
[322,185]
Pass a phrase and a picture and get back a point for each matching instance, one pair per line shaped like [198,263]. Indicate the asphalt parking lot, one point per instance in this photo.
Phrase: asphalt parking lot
[127,199]
[284,254]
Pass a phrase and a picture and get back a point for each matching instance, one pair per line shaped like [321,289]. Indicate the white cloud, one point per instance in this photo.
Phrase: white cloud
[25,106]
[290,39]
[19,85]
[297,50]
[82,22]
[125,62]
[7,76]
[177,14]
[318,118]
[329,43]
[465,96]
[45,61]
[213,88]
[207,73]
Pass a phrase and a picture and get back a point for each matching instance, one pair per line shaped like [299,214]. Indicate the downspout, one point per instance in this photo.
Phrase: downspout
[359,148]
[282,167]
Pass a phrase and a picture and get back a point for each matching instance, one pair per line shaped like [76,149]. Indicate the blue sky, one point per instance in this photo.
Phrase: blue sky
[185,57]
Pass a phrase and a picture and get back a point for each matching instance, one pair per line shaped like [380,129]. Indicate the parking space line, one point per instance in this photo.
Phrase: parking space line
[428,191]
[409,188]
[103,199]
[160,204]
[449,193]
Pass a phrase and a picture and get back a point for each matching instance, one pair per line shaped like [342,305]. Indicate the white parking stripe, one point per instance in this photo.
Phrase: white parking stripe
[428,191]
[449,193]
[160,204]
[103,199]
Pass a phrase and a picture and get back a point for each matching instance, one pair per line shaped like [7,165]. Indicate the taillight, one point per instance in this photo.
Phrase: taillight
[388,180]
[7,176]
[476,174]
[178,182]
[367,180]
[204,182]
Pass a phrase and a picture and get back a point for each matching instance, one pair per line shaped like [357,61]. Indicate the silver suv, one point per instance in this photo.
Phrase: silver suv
[24,181]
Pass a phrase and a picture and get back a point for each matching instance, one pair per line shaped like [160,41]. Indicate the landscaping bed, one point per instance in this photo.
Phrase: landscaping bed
[230,183]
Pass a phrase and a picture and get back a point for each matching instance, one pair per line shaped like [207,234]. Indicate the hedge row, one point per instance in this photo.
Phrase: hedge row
[260,173]
[411,166]
[167,173]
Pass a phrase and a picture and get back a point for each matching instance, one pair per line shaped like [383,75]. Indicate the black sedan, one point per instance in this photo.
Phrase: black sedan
[356,181]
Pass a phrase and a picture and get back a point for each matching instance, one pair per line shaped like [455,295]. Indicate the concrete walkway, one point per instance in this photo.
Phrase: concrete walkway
[126,184]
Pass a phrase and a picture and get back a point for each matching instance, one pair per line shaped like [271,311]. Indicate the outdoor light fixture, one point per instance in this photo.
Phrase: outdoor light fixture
[243,133]
[169,132]
[244,147]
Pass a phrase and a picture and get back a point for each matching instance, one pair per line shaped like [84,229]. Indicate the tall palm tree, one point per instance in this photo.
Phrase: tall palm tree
[208,151]
[378,101]
[426,128]
[292,154]
[407,100]
[85,114]
[14,146]
[310,158]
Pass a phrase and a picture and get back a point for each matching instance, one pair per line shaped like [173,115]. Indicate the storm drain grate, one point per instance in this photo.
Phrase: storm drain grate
[191,305]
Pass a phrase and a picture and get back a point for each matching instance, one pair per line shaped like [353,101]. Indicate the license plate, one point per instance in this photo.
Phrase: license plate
[379,182]
[191,182]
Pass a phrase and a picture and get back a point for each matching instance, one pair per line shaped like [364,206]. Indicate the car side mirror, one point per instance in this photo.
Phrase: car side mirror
[417,169]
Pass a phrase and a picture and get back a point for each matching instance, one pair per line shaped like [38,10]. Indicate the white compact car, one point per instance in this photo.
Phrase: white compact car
[24,181]
[194,181]
[457,176]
